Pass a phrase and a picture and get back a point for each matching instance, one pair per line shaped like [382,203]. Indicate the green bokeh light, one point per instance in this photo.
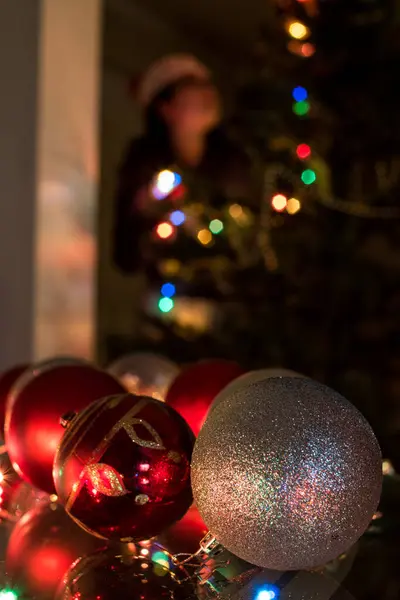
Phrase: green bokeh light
[161,558]
[301,108]
[216,226]
[165,305]
[8,595]
[308,176]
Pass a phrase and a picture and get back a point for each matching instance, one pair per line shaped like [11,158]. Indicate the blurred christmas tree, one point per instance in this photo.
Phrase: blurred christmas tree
[305,274]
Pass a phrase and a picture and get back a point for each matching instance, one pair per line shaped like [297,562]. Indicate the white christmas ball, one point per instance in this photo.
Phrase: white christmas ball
[286,473]
[145,374]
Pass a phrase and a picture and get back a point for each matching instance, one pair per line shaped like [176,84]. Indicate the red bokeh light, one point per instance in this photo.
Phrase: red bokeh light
[307,50]
[303,151]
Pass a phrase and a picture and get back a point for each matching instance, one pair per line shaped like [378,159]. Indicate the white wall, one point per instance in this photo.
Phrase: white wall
[67,175]
[19,36]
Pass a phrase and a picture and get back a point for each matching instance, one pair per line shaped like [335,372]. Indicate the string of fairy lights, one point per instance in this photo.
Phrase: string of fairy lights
[299,44]
[168,185]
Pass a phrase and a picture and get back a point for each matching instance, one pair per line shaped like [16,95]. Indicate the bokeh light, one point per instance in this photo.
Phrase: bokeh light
[171,266]
[177,217]
[165,305]
[216,226]
[387,468]
[165,182]
[301,108]
[298,30]
[168,290]
[300,93]
[268,593]
[303,151]
[307,50]
[204,236]
[236,211]
[164,230]
[279,202]
[308,176]
[293,206]
[8,595]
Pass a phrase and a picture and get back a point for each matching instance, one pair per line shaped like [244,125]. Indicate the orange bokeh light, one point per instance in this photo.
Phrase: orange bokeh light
[164,230]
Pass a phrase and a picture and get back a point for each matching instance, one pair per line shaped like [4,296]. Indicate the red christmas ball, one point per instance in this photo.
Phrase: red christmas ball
[194,389]
[7,380]
[34,409]
[42,546]
[122,469]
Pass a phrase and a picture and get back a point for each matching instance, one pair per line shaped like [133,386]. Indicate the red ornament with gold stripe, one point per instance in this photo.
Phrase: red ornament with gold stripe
[122,469]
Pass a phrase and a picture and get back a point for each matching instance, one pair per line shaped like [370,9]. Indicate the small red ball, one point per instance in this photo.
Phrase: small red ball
[123,467]
[43,545]
[194,389]
[7,380]
[34,409]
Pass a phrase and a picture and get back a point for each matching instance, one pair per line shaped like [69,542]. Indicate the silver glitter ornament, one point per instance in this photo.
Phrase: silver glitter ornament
[286,473]
[252,377]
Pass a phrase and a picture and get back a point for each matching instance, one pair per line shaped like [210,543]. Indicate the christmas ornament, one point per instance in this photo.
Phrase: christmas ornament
[42,546]
[147,574]
[38,401]
[9,483]
[251,377]
[286,473]
[195,388]
[122,469]
[274,585]
[7,380]
[145,374]
[24,498]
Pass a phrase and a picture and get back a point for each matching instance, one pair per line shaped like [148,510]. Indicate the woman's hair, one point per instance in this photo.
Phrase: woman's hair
[155,125]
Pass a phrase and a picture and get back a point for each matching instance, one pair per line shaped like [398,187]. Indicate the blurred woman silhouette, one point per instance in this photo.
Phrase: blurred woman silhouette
[182,115]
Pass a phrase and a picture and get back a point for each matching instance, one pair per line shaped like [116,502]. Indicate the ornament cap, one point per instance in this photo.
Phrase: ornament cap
[67,419]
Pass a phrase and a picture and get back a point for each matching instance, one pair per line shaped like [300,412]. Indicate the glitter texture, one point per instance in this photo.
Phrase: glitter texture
[286,473]
[105,480]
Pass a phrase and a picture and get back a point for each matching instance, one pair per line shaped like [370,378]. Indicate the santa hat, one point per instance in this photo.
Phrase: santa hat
[167,71]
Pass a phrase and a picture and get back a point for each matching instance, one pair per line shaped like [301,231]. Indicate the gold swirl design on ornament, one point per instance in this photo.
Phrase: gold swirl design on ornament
[105,480]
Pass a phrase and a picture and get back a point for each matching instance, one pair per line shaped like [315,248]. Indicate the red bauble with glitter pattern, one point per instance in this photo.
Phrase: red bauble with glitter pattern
[195,388]
[122,470]
[35,407]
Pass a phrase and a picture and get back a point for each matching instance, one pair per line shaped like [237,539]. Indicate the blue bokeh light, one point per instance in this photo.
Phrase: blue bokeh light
[168,290]
[267,593]
[177,217]
[300,94]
